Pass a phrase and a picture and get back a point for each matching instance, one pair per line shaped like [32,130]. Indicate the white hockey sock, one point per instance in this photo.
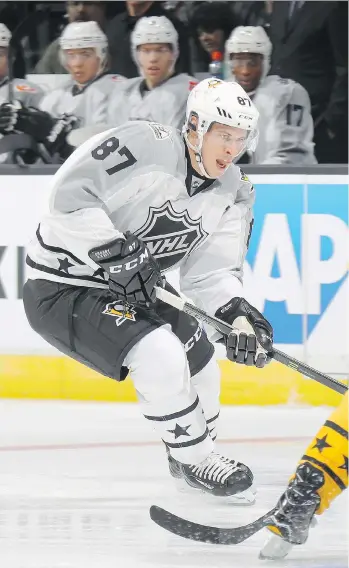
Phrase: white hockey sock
[207,385]
[159,370]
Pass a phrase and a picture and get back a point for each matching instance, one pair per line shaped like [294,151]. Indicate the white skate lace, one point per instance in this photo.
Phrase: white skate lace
[215,468]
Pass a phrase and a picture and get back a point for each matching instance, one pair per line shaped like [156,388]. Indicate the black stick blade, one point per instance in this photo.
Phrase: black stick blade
[203,533]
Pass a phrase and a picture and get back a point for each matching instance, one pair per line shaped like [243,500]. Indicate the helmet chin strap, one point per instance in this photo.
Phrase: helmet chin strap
[198,155]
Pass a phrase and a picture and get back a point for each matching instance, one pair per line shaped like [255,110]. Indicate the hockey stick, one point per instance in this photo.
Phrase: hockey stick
[224,328]
[204,533]
[217,535]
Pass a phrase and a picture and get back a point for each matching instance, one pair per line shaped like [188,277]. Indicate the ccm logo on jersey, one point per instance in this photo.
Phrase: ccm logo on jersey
[129,265]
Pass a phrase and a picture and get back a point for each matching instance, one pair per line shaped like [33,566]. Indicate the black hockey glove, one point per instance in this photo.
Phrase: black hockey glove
[133,272]
[38,124]
[8,118]
[32,121]
[56,140]
[252,342]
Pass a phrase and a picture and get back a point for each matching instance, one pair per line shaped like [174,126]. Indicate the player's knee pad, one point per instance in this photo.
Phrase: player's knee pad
[158,365]
[198,348]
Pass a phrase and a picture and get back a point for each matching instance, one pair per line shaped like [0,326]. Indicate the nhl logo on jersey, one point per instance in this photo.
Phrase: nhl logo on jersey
[171,235]
[120,313]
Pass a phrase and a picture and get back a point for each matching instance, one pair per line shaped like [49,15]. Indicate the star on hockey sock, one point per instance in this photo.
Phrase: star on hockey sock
[180,431]
[321,444]
[345,464]
[64,265]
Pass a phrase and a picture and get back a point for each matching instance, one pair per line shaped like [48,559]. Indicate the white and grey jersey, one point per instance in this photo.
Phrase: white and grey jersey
[285,124]
[138,178]
[29,94]
[88,104]
[165,104]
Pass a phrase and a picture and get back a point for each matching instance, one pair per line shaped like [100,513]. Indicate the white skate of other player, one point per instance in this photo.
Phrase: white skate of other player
[127,206]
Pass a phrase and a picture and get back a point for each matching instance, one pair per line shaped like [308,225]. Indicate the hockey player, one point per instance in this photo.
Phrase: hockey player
[22,90]
[160,94]
[80,102]
[128,205]
[84,53]
[322,475]
[285,124]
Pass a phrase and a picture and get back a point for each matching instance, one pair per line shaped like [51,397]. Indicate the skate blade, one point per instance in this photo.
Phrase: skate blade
[275,548]
[244,499]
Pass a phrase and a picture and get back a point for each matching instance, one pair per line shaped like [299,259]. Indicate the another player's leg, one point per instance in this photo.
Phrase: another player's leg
[321,475]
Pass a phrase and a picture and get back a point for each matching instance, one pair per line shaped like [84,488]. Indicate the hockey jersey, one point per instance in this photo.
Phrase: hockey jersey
[165,103]
[139,178]
[285,123]
[89,104]
[29,94]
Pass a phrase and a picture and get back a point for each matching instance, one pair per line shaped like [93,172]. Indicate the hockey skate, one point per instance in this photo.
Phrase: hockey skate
[294,512]
[217,476]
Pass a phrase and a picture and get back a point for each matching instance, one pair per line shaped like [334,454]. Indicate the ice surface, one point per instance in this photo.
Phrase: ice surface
[77,481]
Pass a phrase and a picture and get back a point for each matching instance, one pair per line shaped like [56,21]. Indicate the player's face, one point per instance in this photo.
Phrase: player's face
[211,40]
[155,60]
[82,64]
[247,68]
[3,62]
[221,145]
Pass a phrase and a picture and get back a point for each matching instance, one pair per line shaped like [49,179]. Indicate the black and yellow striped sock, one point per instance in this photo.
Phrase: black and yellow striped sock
[329,453]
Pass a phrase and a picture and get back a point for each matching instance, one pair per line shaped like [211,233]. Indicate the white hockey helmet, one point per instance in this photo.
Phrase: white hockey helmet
[154,29]
[80,35]
[250,39]
[5,36]
[213,100]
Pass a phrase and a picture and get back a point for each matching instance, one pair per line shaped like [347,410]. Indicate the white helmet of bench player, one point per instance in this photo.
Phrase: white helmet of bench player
[250,39]
[84,35]
[216,101]
[154,29]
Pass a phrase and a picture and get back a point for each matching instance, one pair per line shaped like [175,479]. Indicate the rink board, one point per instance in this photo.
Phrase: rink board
[296,273]
[61,378]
